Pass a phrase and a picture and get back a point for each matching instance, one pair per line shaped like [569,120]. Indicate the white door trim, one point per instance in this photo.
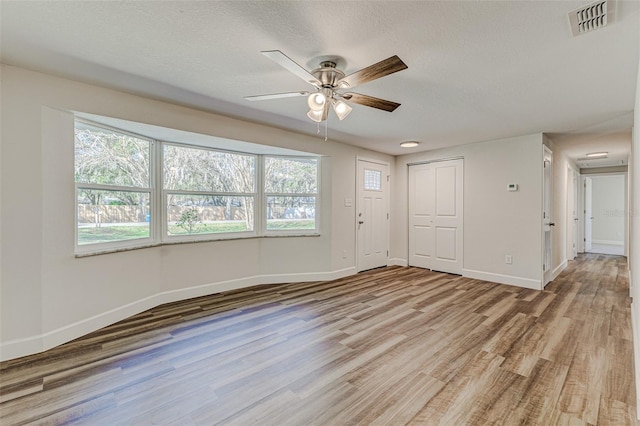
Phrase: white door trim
[547,217]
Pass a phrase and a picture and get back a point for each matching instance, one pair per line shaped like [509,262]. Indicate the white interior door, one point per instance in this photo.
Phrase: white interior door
[372,215]
[436,216]
[421,207]
[547,224]
[575,217]
[588,213]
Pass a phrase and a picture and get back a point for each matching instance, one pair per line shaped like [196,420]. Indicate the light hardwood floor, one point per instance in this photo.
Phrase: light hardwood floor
[389,346]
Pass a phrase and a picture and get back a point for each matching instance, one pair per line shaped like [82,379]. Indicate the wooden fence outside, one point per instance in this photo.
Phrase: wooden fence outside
[131,214]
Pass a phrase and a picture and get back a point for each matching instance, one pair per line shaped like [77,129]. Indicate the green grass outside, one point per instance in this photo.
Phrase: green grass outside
[291,224]
[210,228]
[104,234]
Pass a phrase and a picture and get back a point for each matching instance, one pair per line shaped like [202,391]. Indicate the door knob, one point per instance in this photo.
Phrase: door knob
[360,222]
[552,224]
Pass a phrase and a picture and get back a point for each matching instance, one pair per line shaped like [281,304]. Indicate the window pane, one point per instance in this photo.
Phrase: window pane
[108,216]
[106,157]
[291,175]
[193,169]
[372,180]
[208,214]
[291,213]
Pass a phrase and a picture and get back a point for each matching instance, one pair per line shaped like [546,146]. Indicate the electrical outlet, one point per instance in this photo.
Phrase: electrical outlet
[508,259]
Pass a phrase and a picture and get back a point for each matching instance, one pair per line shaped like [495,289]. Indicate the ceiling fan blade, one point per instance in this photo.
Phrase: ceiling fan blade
[370,101]
[276,96]
[373,72]
[288,63]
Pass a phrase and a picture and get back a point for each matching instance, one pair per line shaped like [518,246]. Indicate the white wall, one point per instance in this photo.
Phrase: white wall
[496,222]
[634,250]
[562,242]
[608,205]
[48,296]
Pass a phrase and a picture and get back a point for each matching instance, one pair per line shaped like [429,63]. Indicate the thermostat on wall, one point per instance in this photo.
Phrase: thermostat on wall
[512,187]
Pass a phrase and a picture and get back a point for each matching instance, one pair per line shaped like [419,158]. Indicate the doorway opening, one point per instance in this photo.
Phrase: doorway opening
[605,206]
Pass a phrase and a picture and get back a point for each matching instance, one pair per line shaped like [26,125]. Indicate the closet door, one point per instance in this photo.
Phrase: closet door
[436,216]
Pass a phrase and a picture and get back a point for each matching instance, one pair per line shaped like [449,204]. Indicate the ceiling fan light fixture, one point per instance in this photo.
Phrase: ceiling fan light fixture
[315,115]
[316,101]
[341,109]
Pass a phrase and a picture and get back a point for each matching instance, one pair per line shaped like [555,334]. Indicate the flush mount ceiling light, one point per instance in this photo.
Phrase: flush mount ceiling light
[602,154]
[409,144]
[328,81]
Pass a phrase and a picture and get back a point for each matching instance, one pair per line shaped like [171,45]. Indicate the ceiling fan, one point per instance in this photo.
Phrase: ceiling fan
[329,81]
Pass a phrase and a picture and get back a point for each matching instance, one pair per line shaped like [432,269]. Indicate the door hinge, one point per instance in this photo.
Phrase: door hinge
[584,239]
[387,253]
[388,177]
[387,216]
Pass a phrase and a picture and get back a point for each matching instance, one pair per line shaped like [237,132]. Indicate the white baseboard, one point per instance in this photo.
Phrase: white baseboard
[503,279]
[635,332]
[397,262]
[30,345]
[608,242]
[635,329]
[558,269]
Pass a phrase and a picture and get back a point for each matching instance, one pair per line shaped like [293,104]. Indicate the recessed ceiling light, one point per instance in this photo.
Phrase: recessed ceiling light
[409,144]
[597,154]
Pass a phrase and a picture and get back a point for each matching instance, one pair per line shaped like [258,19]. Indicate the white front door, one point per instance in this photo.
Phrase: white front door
[588,213]
[436,216]
[372,215]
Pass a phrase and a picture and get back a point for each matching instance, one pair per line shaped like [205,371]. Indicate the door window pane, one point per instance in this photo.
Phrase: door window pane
[372,180]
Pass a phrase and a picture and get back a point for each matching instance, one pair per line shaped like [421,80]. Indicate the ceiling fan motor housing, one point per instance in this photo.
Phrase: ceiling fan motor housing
[328,74]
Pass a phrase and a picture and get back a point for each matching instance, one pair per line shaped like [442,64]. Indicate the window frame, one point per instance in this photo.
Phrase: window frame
[111,246]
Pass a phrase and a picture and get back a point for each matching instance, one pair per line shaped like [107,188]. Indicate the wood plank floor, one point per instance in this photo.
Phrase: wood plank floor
[390,346]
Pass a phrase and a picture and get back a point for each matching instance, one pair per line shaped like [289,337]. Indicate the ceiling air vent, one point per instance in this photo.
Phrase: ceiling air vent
[591,17]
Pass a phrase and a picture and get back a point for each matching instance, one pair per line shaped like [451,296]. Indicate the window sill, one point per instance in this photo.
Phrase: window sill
[171,243]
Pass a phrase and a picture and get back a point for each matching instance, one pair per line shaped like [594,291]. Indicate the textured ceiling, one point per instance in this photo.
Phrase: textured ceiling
[477,70]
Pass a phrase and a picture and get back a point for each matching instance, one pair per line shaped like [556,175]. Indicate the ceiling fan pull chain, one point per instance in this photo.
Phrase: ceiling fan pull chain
[326,129]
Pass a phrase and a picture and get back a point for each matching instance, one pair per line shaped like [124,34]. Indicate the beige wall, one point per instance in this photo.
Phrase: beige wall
[48,296]
[496,222]
[634,251]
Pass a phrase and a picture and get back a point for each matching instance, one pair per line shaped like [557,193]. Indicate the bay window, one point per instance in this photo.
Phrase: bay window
[134,191]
